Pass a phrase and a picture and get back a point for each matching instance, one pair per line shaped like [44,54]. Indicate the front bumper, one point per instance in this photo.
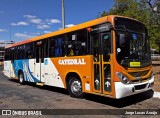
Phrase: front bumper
[123,90]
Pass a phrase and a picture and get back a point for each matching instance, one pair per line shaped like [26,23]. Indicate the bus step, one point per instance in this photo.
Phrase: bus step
[40,84]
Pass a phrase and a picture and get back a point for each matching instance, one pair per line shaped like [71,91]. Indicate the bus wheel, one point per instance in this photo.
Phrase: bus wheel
[21,78]
[75,87]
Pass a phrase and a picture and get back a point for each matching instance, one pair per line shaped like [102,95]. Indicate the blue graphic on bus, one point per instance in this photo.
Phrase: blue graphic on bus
[24,66]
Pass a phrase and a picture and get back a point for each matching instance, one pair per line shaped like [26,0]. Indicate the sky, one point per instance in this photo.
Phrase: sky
[24,19]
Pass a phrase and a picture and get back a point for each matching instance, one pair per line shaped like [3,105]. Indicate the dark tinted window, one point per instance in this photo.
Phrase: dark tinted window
[7,54]
[57,46]
[20,52]
[29,50]
[71,44]
[129,24]
[77,43]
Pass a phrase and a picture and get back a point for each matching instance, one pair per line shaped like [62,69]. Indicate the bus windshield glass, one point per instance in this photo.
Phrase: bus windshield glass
[132,43]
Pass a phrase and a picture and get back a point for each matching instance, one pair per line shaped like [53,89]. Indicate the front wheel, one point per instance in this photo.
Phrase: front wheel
[75,87]
[21,78]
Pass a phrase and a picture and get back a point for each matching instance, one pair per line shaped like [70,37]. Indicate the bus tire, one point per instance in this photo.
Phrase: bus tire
[21,78]
[75,87]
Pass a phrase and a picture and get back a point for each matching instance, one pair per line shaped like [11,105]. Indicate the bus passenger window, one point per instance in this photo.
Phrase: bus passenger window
[7,54]
[51,47]
[22,52]
[12,54]
[58,47]
[29,50]
[77,41]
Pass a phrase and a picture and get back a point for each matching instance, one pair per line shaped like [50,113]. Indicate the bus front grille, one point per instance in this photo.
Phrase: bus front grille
[139,74]
[139,87]
[139,80]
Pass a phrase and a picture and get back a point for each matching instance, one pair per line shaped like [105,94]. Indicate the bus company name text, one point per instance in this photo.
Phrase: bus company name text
[72,61]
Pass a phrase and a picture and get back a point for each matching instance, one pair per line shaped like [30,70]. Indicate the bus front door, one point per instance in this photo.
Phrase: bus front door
[101,44]
[39,63]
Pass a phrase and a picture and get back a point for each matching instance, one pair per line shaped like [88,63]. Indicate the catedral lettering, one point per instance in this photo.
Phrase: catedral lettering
[72,61]
[108,56]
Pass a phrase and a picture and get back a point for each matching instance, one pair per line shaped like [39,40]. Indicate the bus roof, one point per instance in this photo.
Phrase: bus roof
[67,30]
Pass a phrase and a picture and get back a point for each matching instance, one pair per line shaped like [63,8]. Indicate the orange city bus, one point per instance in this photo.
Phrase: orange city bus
[108,56]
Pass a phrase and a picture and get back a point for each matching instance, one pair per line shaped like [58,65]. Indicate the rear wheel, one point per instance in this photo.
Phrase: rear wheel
[75,87]
[21,78]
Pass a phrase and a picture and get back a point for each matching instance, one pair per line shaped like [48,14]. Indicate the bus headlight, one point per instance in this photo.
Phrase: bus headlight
[123,78]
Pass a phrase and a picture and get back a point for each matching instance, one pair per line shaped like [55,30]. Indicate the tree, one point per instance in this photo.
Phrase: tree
[154,6]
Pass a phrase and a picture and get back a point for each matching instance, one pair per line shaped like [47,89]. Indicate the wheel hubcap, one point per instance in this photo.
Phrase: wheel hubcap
[76,87]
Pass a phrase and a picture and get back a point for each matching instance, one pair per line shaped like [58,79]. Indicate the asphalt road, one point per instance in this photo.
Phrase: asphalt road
[16,96]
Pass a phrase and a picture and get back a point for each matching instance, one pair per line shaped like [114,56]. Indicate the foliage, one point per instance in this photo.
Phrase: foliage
[141,10]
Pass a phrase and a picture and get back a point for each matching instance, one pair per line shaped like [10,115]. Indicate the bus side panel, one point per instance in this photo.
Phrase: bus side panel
[12,70]
[7,68]
[32,67]
[37,70]
[27,67]
[81,65]
[52,76]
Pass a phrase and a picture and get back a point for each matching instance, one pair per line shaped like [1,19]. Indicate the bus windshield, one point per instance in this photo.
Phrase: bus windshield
[133,46]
